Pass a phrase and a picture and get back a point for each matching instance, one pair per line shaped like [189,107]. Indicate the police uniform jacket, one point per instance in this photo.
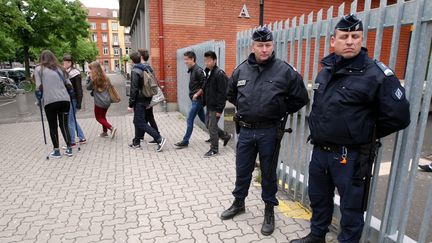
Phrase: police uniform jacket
[355,97]
[265,92]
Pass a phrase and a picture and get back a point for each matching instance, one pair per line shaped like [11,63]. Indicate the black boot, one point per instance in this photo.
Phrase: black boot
[310,238]
[269,220]
[238,207]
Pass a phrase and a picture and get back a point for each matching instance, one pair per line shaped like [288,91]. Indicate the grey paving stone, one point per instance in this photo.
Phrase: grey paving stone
[109,193]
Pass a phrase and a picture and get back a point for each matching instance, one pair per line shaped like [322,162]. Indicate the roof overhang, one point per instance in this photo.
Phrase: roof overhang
[127,11]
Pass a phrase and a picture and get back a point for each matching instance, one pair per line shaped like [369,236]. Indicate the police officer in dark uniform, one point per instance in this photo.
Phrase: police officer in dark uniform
[356,101]
[263,88]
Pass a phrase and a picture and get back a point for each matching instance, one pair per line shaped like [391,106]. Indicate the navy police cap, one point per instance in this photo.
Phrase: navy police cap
[262,34]
[349,22]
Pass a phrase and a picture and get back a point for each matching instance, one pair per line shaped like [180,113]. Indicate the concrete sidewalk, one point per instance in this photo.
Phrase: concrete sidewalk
[108,192]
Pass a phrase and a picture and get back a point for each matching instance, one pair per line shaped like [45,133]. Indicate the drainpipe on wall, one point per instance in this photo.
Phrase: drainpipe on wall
[161,52]
[261,17]
[161,44]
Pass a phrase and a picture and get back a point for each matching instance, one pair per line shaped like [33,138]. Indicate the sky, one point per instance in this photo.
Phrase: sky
[113,4]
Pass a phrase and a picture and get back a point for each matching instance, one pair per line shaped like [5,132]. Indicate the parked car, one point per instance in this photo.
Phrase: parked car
[17,74]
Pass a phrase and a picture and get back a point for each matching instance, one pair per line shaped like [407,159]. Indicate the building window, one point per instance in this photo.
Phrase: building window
[93,26]
[117,64]
[94,37]
[116,51]
[105,50]
[127,39]
[104,26]
[127,50]
[115,14]
[104,38]
[115,39]
[114,26]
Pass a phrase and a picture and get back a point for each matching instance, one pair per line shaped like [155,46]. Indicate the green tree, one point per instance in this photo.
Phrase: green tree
[85,51]
[10,21]
[56,25]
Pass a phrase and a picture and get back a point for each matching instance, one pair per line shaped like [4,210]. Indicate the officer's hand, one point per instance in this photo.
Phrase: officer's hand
[218,114]
[129,109]
[194,97]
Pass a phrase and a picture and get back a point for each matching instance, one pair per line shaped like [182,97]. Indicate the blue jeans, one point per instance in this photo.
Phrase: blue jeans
[141,125]
[71,123]
[253,142]
[196,109]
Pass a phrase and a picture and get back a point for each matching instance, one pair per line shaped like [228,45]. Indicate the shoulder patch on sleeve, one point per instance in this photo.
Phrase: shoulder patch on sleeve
[386,70]
[295,69]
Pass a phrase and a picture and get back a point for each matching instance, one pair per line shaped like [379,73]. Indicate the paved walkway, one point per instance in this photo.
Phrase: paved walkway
[110,193]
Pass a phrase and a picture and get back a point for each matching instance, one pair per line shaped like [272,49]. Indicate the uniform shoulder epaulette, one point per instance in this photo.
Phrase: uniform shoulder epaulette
[295,69]
[386,70]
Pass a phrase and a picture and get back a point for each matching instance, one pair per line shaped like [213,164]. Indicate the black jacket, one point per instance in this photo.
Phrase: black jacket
[75,78]
[265,92]
[137,82]
[196,81]
[352,97]
[215,89]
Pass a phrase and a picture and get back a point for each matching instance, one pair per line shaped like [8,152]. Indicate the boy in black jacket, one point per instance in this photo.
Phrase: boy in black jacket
[215,90]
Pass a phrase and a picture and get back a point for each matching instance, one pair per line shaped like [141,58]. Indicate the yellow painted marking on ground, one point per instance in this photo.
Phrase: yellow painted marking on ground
[291,209]
[294,210]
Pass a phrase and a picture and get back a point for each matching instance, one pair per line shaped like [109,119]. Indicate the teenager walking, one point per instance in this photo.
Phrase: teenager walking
[99,84]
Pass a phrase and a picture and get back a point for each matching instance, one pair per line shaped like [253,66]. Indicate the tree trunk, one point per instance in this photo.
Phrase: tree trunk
[27,62]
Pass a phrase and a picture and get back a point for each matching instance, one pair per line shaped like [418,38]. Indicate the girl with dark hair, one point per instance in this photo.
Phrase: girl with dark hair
[53,89]
[99,84]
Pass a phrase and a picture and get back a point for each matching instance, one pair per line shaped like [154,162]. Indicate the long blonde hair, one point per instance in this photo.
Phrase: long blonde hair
[99,79]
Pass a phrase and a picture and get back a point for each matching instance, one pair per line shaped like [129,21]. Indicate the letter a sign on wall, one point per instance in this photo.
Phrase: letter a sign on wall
[244,13]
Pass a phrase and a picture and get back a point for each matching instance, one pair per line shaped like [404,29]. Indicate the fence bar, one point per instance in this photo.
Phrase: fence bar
[396,35]
[328,31]
[367,7]
[425,227]
[294,118]
[426,32]
[414,87]
[380,29]
[354,7]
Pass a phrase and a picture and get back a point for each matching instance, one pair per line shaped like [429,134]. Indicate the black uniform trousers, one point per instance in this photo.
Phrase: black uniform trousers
[325,173]
[252,142]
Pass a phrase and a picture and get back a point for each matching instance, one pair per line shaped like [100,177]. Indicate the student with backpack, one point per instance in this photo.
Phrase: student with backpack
[99,85]
[143,87]
[149,111]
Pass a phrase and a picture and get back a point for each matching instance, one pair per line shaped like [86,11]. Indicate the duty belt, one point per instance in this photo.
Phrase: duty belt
[257,125]
[335,148]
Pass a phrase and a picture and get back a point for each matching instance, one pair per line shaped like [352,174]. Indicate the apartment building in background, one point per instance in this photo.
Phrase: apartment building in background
[112,40]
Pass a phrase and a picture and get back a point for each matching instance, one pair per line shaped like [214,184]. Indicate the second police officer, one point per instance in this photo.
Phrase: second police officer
[356,101]
[263,88]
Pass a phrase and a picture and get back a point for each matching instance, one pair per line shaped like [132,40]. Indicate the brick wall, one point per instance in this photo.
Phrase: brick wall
[191,22]
[188,22]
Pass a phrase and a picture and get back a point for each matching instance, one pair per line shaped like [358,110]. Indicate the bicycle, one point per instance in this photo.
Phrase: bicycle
[7,87]
[25,85]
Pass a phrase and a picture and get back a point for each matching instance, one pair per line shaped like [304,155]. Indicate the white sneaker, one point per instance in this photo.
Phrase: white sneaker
[113,132]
